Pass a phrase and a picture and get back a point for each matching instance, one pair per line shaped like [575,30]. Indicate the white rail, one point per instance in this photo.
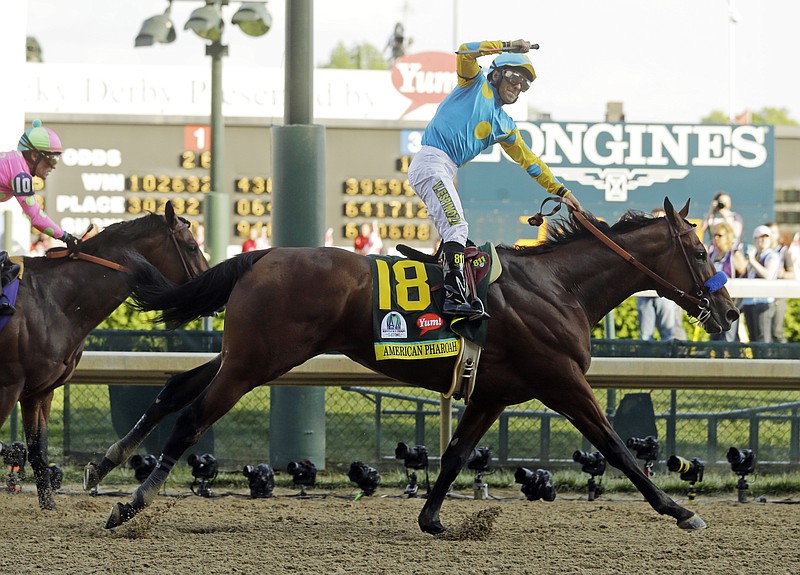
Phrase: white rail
[153,368]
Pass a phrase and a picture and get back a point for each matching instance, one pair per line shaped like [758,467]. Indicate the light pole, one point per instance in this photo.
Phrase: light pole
[207,22]
[734,17]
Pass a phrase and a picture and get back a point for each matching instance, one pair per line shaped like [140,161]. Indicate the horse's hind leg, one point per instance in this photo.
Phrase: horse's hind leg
[179,390]
[476,420]
[226,389]
[582,409]
[35,413]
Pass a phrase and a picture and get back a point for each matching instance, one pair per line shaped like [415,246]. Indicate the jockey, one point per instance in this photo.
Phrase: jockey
[469,120]
[36,155]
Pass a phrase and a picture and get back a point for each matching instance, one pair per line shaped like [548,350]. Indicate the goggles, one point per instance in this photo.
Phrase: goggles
[515,78]
[51,158]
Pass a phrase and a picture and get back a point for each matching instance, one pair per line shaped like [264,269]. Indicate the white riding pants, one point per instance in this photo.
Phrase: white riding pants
[432,175]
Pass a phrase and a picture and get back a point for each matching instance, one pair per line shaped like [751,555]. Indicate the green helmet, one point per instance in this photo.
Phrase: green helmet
[40,138]
[514,60]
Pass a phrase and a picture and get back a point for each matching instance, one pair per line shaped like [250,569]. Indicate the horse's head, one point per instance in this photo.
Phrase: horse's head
[701,289]
[179,257]
[164,241]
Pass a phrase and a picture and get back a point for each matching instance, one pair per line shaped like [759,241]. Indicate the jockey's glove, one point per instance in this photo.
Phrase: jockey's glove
[70,240]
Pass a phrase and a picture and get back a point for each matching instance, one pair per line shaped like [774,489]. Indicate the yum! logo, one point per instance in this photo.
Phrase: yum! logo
[429,322]
[424,78]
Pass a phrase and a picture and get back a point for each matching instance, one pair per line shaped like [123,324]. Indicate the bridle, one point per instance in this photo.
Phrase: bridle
[78,255]
[701,291]
[174,238]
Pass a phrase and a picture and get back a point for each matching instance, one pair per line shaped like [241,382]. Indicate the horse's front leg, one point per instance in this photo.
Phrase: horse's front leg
[477,419]
[578,404]
[179,390]
[35,413]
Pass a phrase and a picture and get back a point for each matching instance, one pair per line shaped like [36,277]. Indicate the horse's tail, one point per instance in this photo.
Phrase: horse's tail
[180,304]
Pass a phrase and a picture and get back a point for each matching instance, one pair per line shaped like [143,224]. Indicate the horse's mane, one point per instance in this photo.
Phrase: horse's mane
[122,233]
[563,231]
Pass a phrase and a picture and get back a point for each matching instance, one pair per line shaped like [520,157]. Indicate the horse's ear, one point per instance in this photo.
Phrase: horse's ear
[685,209]
[169,213]
[669,210]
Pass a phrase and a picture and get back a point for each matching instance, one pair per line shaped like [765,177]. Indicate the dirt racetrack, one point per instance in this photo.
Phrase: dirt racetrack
[232,533]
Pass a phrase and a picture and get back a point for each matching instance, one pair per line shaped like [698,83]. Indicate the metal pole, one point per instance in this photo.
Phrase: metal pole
[217,202]
[733,19]
[299,72]
[297,415]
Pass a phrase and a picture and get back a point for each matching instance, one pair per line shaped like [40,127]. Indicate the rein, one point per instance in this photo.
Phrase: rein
[67,252]
[702,289]
[632,260]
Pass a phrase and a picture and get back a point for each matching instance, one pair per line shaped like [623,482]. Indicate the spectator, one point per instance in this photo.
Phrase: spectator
[720,211]
[200,236]
[656,313]
[785,272]
[249,244]
[794,250]
[40,246]
[369,240]
[729,260]
[262,241]
[764,263]
[375,245]
[362,239]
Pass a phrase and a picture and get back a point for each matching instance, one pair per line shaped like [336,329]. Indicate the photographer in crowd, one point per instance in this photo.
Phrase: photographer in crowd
[721,211]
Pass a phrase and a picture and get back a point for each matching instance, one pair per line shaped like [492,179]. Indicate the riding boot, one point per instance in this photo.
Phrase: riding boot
[6,308]
[456,301]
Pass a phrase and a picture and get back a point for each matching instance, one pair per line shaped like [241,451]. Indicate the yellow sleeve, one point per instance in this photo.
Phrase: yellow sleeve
[467,66]
[519,151]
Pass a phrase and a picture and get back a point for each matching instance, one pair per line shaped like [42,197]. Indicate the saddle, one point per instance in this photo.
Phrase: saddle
[472,333]
[476,268]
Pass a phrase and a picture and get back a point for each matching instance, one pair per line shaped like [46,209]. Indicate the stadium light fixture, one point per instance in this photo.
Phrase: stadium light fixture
[207,22]
[157,30]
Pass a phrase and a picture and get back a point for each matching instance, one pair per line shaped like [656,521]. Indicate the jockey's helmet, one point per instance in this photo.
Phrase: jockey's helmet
[514,60]
[41,139]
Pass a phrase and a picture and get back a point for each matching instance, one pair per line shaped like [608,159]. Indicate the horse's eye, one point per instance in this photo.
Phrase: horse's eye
[701,254]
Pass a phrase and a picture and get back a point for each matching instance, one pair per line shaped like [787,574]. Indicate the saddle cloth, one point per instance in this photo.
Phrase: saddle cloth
[407,302]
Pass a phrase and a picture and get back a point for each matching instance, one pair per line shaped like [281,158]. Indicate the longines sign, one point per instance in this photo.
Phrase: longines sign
[613,167]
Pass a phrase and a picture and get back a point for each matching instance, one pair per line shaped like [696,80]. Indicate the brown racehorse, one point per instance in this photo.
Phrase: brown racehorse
[286,305]
[61,300]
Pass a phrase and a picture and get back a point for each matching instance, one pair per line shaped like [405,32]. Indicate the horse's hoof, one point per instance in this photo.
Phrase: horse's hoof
[91,478]
[694,522]
[120,513]
[435,528]
[46,500]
